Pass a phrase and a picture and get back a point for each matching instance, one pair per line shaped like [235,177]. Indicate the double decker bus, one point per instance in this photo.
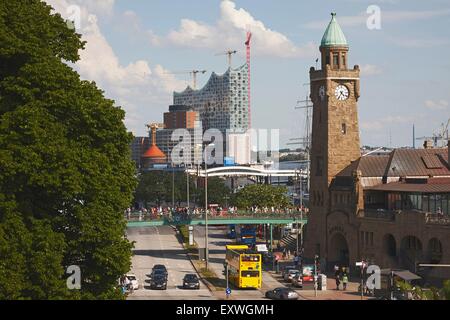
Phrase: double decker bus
[248,235]
[244,267]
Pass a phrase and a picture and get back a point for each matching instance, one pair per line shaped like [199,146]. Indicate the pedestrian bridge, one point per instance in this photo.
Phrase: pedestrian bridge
[195,220]
[246,171]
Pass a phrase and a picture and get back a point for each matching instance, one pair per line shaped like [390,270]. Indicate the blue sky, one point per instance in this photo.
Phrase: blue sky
[134,45]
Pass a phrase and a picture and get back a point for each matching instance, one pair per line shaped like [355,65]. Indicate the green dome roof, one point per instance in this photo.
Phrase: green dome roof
[333,36]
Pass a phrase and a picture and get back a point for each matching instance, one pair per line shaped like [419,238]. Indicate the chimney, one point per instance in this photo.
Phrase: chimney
[428,144]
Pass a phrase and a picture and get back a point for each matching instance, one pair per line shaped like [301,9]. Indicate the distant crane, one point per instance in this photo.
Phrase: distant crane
[193,73]
[247,44]
[439,135]
[228,53]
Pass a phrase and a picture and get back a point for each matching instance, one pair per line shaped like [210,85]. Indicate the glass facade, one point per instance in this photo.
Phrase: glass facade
[433,203]
[222,103]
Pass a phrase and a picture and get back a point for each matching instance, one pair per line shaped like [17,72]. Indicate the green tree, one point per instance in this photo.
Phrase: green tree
[66,174]
[262,195]
[218,192]
[156,187]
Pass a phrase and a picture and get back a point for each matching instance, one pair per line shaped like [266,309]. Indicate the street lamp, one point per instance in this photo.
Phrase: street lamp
[206,206]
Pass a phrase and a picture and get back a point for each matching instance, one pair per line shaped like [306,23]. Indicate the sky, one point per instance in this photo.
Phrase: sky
[135,50]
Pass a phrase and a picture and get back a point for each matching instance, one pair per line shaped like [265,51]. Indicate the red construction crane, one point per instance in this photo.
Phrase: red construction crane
[247,44]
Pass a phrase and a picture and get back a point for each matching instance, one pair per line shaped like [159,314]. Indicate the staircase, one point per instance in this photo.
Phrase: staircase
[290,242]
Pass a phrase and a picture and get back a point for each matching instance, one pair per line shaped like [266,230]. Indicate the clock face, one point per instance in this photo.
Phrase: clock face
[341,92]
[322,92]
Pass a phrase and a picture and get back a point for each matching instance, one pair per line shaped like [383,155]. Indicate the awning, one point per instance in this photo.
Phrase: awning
[407,275]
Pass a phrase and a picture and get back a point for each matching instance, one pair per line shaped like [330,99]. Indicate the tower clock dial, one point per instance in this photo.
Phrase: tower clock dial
[322,93]
[341,92]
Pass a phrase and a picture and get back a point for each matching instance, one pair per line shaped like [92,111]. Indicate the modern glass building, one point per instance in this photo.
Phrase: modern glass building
[222,103]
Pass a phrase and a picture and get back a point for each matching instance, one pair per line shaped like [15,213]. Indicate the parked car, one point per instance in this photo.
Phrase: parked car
[159,282]
[290,274]
[297,280]
[191,281]
[134,281]
[282,293]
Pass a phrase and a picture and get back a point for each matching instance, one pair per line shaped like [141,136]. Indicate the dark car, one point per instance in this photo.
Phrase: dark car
[191,281]
[159,273]
[282,293]
[159,267]
[158,282]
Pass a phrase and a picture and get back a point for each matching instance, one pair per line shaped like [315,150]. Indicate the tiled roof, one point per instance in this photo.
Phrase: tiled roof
[433,185]
[402,163]
[418,162]
[370,166]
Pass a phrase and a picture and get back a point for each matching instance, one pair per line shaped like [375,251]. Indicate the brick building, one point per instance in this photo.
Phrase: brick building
[393,210]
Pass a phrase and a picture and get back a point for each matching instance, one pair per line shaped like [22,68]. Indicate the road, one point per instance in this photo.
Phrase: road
[159,245]
[217,241]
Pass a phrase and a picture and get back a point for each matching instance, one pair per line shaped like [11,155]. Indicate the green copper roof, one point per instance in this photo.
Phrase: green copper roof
[333,36]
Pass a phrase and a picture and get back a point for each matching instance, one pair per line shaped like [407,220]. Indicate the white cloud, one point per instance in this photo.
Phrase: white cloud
[381,124]
[436,105]
[142,91]
[370,70]
[360,19]
[230,32]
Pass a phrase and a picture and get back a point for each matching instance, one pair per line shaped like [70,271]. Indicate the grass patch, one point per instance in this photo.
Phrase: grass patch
[211,277]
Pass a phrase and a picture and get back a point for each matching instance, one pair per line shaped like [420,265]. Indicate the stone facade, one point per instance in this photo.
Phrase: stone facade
[344,226]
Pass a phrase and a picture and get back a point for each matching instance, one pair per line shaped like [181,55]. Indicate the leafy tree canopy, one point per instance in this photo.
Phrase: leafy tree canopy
[262,195]
[66,174]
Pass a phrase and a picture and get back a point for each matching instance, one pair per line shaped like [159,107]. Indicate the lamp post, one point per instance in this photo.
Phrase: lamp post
[206,212]
[187,188]
[173,188]
[206,207]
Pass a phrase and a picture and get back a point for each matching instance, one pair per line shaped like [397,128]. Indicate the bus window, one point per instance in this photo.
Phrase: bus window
[250,258]
[249,274]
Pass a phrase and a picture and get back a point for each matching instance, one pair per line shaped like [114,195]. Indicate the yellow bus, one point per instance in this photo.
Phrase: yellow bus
[244,267]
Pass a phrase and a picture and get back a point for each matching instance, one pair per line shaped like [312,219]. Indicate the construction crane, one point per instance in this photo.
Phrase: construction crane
[228,53]
[193,73]
[439,135]
[247,45]
[152,127]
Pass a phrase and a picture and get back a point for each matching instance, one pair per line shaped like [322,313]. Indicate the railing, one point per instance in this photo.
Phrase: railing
[437,219]
[240,215]
[377,214]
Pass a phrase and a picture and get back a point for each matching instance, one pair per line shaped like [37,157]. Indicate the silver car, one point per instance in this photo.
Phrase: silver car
[291,274]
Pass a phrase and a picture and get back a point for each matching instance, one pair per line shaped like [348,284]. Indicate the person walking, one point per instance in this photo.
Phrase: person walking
[344,281]
[338,281]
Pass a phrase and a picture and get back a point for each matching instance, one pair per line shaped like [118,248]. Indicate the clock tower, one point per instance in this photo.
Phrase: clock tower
[335,132]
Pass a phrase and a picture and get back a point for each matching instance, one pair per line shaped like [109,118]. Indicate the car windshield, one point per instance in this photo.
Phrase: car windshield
[131,278]
[159,267]
[158,271]
[191,277]
[159,278]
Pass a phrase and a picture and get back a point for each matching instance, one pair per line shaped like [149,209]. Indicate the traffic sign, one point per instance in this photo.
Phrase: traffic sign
[228,291]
